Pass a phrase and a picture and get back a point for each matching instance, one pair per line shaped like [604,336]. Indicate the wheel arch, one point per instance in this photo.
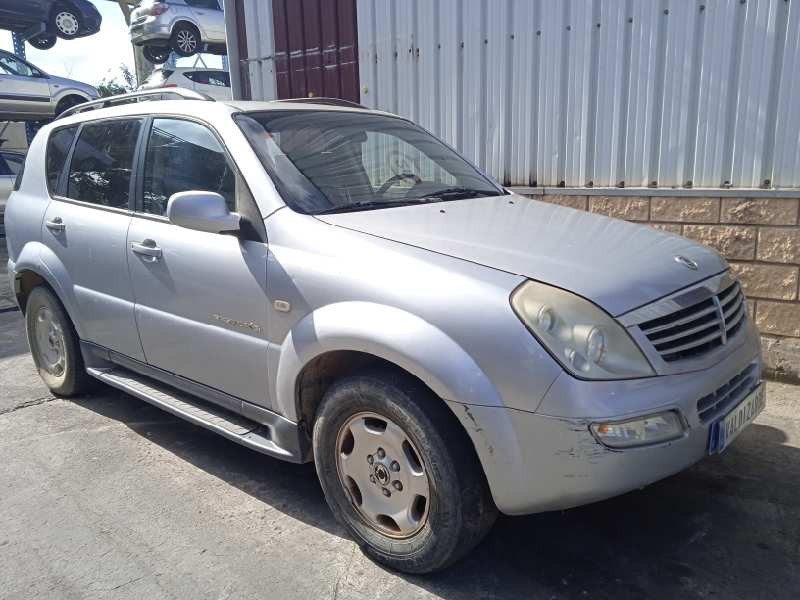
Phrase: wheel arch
[37,265]
[340,338]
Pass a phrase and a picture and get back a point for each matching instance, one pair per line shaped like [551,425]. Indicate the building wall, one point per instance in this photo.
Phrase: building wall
[661,93]
[759,236]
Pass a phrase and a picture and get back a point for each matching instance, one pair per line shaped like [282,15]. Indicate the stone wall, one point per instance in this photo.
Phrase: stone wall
[760,237]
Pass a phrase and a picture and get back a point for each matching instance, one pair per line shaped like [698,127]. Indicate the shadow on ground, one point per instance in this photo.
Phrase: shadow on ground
[729,526]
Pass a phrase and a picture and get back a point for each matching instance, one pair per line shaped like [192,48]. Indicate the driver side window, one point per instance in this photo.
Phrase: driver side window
[183,156]
[13,66]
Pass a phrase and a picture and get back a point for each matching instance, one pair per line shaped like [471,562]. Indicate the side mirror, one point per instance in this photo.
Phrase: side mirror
[202,211]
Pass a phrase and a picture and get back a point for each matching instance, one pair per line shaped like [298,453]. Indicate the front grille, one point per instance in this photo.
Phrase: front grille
[697,329]
[717,403]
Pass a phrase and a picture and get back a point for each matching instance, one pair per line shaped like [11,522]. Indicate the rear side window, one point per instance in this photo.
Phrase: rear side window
[183,156]
[57,150]
[100,171]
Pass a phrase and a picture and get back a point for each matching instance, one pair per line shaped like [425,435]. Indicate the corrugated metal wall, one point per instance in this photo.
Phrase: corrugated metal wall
[596,92]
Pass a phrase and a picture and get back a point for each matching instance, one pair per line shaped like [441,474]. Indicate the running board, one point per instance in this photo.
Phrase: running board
[257,436]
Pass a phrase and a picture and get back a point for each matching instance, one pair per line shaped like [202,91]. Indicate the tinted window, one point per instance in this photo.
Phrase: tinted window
[14,66]
[101,166]
[183,156]
[57,149]
[218,78]
[213,4]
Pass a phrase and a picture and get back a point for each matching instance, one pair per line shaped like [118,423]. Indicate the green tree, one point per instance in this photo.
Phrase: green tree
[123,83]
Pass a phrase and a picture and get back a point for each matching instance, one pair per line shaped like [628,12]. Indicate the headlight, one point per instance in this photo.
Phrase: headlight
[641,431]
[582,337]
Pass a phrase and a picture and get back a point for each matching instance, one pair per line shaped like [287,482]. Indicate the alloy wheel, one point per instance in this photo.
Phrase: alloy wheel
[186,41]
[383,474]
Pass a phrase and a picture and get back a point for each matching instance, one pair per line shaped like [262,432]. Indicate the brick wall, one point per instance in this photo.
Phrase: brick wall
[760,237]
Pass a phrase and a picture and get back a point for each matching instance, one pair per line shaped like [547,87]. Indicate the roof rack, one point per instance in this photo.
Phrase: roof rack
[325,101]
[142,96]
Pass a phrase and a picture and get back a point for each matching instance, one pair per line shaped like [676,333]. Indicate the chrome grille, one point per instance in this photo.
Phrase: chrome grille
[717,403]
[699,328]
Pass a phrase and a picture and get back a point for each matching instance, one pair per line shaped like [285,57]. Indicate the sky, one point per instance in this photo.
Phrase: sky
[93,58]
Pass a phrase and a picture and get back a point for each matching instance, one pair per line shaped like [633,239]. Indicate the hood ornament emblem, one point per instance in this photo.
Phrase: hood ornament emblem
[686,262]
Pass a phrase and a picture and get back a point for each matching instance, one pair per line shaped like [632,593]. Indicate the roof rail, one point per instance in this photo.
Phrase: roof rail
[142,96]
[326,101]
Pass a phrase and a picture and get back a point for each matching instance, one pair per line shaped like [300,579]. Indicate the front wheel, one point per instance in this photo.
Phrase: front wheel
[412,500]
[54,344]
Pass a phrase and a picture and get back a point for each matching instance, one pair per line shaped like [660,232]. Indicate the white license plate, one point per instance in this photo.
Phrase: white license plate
[725,430]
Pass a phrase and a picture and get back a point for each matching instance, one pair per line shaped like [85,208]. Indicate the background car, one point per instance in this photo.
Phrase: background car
[28,93]
[181,26]
[215,83]
[67,19]
[10,165]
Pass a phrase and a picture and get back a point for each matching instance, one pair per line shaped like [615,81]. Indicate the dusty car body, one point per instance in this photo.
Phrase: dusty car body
[577,356]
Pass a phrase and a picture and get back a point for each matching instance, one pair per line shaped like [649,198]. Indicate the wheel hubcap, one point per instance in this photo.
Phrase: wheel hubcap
[67,23]
[383,475]
[186,41]
[50,342]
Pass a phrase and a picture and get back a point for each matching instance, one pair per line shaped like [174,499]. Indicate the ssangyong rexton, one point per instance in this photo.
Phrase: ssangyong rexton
[329,283]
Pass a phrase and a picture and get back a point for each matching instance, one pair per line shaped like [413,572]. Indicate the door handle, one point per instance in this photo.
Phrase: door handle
[56,224]
[147,248]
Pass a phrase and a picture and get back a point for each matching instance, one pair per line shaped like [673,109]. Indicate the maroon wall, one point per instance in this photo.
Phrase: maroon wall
[316,48]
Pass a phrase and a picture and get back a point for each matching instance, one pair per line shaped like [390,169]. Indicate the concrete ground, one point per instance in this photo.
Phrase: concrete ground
[108,497]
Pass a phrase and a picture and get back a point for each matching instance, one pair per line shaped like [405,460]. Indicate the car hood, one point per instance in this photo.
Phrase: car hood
[618,265]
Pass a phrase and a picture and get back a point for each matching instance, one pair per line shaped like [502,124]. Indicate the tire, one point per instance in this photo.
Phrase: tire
[185,40]
[66,103]
[157,55]
[43,42]
[66,21]
[61,370]
[458,511]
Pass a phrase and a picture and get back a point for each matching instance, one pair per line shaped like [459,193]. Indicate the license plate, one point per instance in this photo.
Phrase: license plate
[725,430]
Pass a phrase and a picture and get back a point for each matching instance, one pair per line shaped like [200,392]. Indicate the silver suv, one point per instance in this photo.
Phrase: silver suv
[181,26]
[317,281]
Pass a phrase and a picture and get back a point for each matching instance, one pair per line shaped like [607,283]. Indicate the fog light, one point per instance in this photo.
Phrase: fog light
[641,431]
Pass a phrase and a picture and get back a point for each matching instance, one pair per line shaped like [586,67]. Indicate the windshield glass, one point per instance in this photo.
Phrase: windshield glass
[336,161]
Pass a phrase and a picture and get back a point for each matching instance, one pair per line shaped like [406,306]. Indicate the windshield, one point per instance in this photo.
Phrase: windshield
[336,161]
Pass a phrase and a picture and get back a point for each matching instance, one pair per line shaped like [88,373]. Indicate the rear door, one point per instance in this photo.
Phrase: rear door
[211,19]
[24,89]
[201,302]
[86,224]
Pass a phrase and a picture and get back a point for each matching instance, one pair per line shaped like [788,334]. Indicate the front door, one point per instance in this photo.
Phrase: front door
[24,89]
[86,224]
[201,301]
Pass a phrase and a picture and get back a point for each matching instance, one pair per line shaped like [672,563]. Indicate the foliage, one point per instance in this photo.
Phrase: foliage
[123,83]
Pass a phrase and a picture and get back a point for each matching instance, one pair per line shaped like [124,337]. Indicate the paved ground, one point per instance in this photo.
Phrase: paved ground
[105,497]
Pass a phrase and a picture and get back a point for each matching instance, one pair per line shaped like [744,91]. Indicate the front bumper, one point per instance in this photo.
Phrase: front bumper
[538,462]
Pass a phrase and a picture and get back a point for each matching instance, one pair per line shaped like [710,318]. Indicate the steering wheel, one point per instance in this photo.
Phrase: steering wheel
[394,179]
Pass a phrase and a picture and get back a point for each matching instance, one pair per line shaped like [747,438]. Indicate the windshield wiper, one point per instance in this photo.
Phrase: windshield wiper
[456,193]
[369,204]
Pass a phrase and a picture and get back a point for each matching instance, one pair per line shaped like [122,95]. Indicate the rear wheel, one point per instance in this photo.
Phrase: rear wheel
[185,40]
[54,344]
[44,41]
[156,54]
[67,22]
[412,500]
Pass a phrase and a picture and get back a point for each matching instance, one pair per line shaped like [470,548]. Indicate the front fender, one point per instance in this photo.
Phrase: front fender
[388,333]
[40,259]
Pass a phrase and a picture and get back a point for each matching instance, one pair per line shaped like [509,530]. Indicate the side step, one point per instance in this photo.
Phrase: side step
[219,420]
